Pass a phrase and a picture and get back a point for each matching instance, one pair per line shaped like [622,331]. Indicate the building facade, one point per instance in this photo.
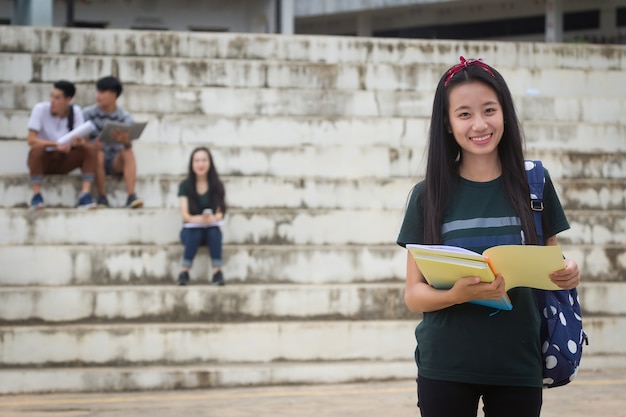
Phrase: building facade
[592,21]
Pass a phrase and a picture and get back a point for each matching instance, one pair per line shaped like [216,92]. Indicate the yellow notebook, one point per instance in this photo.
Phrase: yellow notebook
[520,265]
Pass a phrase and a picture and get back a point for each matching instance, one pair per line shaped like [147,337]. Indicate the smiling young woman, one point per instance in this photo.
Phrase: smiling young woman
[475,195]
[202,207]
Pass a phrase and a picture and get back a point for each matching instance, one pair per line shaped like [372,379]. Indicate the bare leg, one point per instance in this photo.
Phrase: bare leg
[100,174]
[125,163]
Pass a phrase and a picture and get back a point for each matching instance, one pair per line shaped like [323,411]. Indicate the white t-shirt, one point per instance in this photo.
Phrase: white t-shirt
[51,127]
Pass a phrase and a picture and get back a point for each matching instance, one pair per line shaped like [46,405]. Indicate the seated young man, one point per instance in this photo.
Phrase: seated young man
[48,122]
[113,159]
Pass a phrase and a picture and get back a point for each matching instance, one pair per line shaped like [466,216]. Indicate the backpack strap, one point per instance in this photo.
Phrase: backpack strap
[536,180]
[70,118]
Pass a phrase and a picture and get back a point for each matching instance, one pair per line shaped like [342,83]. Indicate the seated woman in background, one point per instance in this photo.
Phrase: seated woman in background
[202,206]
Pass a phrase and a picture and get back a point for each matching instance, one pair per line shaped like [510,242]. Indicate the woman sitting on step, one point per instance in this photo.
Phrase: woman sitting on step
[202,206]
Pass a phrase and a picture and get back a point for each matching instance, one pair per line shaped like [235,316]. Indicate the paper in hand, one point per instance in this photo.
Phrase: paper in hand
[81,130]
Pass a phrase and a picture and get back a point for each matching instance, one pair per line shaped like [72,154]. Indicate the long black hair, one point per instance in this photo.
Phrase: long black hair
[217,194]
[444,154]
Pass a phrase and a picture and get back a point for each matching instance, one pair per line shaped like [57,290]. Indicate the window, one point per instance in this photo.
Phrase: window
[90,25]
[589,19]
[515,26]
[621,17]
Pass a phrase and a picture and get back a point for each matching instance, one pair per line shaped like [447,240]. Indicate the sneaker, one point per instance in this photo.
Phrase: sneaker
[103,202]
[36,203]
[183,278]
[218,278]
[134,202]
[86,202]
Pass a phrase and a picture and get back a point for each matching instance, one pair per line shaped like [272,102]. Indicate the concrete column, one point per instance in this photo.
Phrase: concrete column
[554,21]
[364,24]
[32,12]
[69,13]
[608,19]
[287,16]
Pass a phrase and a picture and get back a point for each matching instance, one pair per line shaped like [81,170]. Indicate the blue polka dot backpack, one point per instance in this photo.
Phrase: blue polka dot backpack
[562,332]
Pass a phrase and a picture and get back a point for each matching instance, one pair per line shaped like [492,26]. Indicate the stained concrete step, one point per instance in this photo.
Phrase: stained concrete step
[137,378]
[207,304]
[322,49]
[403,134]
[54,265]
[124,379]
[238,303]
[239,101]
[270,73]
[160,191]
[159,265]
[397,133]
[261,226]
[301,102]
[252,131]
[302,161]
[197,72]
[582,165]
[379,161]
[193,343]
[162,226]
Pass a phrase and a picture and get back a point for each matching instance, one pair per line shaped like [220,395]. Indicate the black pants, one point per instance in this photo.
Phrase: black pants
[438,398]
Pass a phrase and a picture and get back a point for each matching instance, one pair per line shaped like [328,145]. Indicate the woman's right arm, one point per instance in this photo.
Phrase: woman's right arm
[184,212]
[421,297]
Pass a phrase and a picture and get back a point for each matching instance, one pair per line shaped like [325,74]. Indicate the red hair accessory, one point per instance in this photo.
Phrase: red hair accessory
[464,64]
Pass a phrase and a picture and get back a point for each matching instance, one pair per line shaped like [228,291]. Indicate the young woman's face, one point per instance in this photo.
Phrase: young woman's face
[476,118]
[200,163]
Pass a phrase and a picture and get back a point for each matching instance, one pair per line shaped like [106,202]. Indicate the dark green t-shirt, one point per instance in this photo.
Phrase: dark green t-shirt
[204,200]
[466,342]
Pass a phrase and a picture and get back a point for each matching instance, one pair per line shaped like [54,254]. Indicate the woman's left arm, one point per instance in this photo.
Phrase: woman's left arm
[568,277]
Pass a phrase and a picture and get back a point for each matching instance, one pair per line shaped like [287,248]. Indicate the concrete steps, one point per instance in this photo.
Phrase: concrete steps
[162,356]
[329,103]
[160,191]
[203,303]
[122,344]
[263,226]
[190,72]
[144,265]
[327,49]
[238,303]
[102,264]
[279,73]
[279,133]
[319,141]
[260,132]
[144,378]
[376,161]
[162,226]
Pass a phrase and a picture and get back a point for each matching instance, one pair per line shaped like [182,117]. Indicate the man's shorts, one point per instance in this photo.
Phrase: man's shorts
[109,156]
